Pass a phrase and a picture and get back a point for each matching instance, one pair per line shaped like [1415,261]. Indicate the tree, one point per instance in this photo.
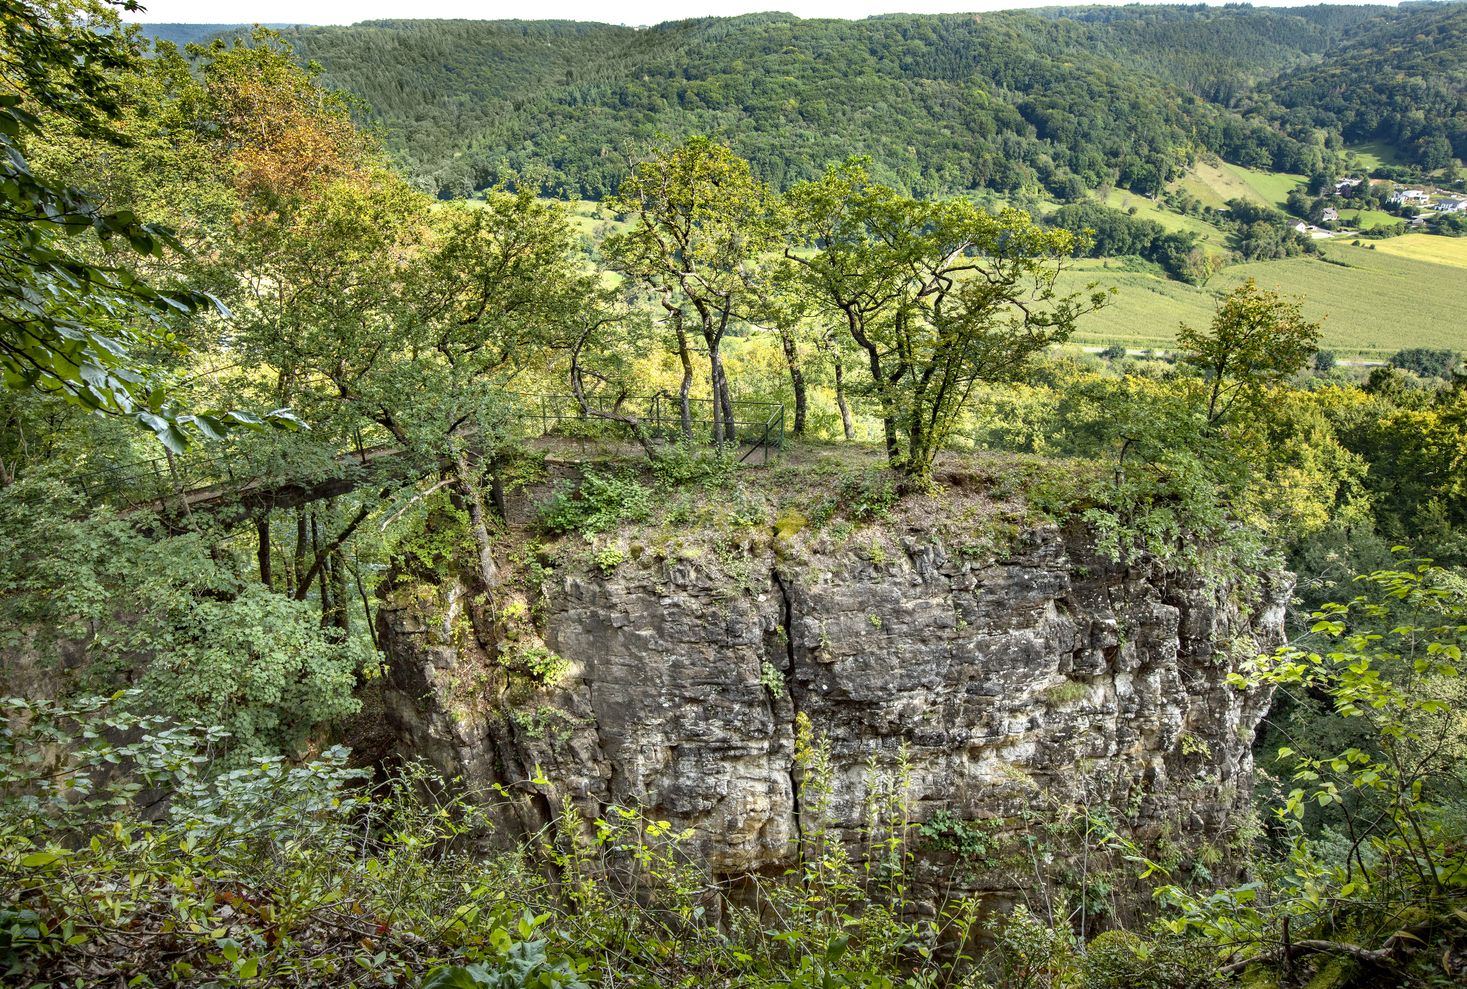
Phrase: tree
[702,221]
[1257,338]
[939,296]
[74,313]
[1426,361]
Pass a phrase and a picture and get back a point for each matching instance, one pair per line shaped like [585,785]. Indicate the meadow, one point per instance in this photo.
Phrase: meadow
[1214,241]
[1366,219]
[1372,302]
[1215,182]
[1426,247]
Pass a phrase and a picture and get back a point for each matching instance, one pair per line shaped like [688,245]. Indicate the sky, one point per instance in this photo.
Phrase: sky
[625,12]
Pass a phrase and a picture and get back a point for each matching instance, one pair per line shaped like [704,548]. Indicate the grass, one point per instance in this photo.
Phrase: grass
[1214,240]
[1373,155]
[1365,219]
[1215,182]
[1372,303]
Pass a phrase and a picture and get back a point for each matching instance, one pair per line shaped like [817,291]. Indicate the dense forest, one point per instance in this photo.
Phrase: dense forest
[289,444]
[1055,101]
[1402,82]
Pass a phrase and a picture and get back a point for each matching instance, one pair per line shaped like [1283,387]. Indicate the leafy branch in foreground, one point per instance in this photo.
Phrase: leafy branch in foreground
[1393,874]
[72,320]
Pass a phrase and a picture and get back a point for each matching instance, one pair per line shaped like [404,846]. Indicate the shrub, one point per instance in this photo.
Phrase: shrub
[259,666]
[271,874]
[1121,960]
[601,502]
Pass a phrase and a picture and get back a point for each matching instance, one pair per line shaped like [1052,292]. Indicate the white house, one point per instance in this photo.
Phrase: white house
[1313,232]
[1344,184]
[1451,206]
[1411,196]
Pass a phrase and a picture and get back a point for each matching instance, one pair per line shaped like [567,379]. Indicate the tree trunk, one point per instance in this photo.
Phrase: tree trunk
[298,567]
[730,429]
[356,572]
[262,532]
[478,522]
[321,570]
[684,411]
[797,376]
[340,613]
[723,421]
[840,399]
[873,353]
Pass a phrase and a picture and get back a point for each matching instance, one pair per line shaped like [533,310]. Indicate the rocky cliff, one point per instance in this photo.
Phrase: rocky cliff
[1010,673]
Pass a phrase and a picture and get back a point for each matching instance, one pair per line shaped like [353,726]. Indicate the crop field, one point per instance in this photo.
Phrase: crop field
[1429,248]
[1372,302]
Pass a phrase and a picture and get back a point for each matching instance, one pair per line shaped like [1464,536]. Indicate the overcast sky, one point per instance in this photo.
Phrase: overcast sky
[626,12]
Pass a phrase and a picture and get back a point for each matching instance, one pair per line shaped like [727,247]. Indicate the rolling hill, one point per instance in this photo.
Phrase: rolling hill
[1053,102]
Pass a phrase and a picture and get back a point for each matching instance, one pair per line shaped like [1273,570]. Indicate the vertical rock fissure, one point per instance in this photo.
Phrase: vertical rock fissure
[786,618]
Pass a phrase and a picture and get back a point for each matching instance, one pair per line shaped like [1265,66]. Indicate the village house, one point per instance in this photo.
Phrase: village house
[1411,196]
[1451,206]
[1313,232]
[1330,215]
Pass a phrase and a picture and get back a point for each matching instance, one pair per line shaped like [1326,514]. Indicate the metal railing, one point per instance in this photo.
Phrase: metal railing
[171,483]
[756,427]
[175,484]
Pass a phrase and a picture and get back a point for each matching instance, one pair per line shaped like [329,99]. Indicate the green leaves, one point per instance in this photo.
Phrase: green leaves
[940,295]
[74,315]
[1257,338]
[1391,671]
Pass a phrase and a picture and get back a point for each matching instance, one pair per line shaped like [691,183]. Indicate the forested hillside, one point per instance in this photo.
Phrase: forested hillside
[1402,80]
[1217,53]
[1052,102]
[1005,101]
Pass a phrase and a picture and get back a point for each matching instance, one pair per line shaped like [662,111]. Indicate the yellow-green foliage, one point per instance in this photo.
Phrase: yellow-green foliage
[789,522]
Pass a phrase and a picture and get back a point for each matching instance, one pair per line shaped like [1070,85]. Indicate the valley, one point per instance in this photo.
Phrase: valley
[930,501]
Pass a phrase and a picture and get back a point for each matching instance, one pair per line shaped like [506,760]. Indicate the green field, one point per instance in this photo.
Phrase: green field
[1215,182]
[1372,305]
[1373,155]
[1214,240]
[1365,219]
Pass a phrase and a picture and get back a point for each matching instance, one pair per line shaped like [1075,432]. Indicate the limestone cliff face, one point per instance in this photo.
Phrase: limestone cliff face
[1041,671]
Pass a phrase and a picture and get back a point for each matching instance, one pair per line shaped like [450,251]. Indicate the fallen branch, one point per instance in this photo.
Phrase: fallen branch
[1384,955]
